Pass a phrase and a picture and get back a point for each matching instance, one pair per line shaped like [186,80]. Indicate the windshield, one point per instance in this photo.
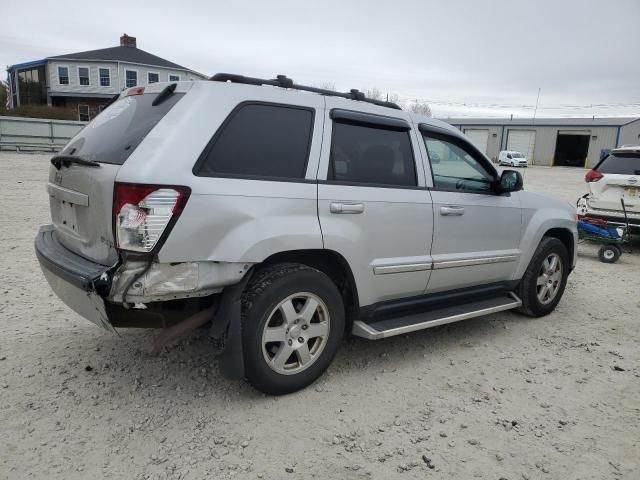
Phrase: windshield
[517,155]
[620,164]
[114,134]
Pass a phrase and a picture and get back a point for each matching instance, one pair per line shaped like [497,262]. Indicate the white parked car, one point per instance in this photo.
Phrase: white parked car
[616,177]
[512,158]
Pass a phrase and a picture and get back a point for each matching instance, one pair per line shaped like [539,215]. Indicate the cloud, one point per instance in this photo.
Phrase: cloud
[490,52]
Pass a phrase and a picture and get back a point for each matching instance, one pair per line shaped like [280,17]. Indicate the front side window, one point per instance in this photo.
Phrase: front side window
[453,167]
[363,154]
[259,140]
[83,113]
[174,78]
[105,77]
[63,75]
[153,77]
[83,75]
[131,78]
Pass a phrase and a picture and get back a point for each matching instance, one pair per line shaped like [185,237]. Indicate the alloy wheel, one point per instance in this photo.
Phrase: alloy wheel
[296,333]
[549,278]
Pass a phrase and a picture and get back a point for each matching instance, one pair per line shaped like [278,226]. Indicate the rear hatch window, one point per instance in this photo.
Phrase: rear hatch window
[114,134]
[84,220]
[620,164]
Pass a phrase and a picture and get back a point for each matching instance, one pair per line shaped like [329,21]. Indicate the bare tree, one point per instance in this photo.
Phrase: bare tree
[328,86]
[374,94]
[416,106]
[419,107]
[393,98]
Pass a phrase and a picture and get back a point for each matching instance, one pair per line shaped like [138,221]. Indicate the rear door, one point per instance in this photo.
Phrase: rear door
[81,196]
[477,233]
[621,181]
[372,203]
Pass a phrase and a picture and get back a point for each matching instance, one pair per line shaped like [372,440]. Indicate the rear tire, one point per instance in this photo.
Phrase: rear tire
[544,281]
[292,324]
[609,253]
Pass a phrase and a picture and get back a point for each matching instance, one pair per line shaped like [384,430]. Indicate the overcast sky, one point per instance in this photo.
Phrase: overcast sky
[481,53]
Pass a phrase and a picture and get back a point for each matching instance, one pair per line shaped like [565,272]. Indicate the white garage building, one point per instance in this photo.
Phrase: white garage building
[570,142]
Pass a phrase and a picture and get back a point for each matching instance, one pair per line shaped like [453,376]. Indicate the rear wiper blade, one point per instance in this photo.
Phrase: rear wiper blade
[59,160]
[164,94]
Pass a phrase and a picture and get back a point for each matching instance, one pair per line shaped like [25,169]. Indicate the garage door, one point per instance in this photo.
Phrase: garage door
[522,141]
[479,137]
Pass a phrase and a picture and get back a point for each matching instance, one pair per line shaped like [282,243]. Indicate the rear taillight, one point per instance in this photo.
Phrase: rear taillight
[142,214]
[593,176]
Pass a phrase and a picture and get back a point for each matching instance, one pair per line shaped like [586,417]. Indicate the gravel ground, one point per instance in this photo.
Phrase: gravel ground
[501,396]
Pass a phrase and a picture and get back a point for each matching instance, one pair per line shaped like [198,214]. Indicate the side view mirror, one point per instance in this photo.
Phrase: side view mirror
[509,156]
[510,181]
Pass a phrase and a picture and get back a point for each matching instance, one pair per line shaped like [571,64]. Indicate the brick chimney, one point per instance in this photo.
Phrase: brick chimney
[127,41]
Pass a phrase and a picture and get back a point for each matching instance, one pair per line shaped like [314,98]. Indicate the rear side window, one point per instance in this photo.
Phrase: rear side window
[620,164]
[371,155]
[118,130]
[260,140]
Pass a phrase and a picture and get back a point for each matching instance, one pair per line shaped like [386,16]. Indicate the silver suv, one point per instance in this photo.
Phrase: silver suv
[282,216]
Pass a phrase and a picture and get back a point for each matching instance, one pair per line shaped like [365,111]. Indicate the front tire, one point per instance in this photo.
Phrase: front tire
[545,279]
[292,324]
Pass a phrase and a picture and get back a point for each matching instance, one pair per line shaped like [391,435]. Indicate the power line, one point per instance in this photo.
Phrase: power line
[471,104]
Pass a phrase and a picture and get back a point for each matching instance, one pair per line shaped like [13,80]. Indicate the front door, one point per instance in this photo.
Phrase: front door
[476,231]
[373,205]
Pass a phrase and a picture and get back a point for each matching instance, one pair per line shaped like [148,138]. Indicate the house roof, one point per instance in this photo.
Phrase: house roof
[541,122]
[121,53]
[33,63]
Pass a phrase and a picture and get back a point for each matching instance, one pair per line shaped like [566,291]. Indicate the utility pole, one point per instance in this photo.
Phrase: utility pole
[536,109]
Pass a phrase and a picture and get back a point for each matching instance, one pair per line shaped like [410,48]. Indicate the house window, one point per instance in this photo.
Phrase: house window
[83,113]
[131,78]
[174,78]
[63,75]
[153,77]
[105,77]
[83,75]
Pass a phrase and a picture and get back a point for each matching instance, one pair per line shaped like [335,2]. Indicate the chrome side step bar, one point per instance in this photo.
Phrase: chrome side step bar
[401,325]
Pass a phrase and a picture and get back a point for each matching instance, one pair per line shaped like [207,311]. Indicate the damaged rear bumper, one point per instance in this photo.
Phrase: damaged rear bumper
[138,281]
[134,292]
[74,279]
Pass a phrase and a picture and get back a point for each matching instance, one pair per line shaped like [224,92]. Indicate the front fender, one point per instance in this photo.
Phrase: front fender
[540,215]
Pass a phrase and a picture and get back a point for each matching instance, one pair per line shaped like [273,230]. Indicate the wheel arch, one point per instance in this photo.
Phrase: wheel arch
[335,266]
[565,236]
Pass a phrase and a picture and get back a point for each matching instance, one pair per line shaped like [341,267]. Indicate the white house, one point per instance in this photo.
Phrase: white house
[86,81]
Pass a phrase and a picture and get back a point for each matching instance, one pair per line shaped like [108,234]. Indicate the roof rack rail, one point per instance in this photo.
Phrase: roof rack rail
[285,82]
